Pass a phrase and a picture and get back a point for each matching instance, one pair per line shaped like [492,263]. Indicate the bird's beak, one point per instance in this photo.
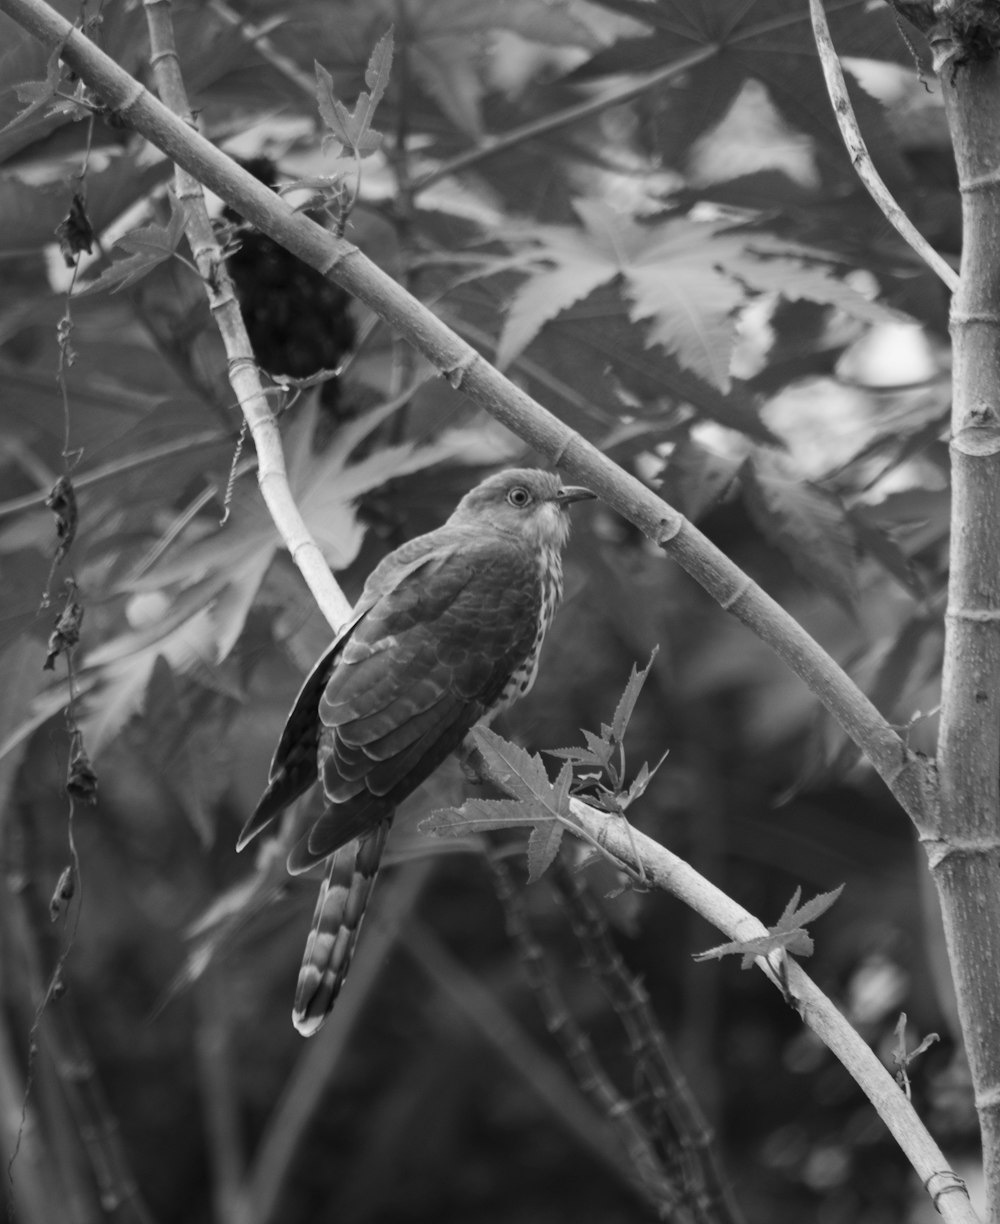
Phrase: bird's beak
[573,493]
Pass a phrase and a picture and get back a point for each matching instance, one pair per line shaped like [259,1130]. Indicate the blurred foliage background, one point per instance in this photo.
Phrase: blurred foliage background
[666,245]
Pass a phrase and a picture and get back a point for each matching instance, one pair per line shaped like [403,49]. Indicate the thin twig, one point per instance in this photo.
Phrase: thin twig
[861,159]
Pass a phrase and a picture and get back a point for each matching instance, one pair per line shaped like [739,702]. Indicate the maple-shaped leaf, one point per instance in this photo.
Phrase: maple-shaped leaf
[808,524]
[227,564]
[148,247]
[788,933]
[599,751]
[673,285]
[766,41]
[477,816]
[685,279]
[512,768]
[39,94]
[546,837]
[626,703]
[352,129]
[536,801]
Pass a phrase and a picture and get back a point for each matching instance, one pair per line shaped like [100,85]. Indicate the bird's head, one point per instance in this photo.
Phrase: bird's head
[525,502]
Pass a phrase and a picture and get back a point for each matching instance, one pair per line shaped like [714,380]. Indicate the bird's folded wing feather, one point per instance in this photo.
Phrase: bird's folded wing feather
[430,657]
[293,767]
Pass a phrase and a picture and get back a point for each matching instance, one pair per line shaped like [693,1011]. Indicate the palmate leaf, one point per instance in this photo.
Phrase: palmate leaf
[788,933]
[192,606]
[534,801]
[149,246]
[769,41]
[352,129]
[685,279]
[232,559]
[38,94]
[808,524]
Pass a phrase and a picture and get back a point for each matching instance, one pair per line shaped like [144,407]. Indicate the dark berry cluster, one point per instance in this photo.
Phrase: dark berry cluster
[299,322]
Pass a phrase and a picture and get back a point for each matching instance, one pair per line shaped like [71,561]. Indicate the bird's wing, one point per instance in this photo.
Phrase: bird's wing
[430,657]
[293,766]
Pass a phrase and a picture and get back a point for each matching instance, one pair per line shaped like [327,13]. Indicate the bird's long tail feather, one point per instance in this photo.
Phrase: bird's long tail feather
[340,908]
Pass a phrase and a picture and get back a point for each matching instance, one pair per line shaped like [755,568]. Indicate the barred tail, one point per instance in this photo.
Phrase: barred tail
[340,908]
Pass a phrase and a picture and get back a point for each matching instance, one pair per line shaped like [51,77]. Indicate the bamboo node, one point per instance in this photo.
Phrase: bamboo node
[950,1182]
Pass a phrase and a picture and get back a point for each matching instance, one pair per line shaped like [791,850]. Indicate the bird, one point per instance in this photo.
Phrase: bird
[445,635]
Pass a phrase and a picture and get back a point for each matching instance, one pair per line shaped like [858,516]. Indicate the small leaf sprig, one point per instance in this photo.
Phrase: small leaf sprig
[787,935]
[351,130]
[543,805]
[603,784]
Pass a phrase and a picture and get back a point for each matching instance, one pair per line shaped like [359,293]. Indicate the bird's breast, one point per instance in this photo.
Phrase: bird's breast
[550,585]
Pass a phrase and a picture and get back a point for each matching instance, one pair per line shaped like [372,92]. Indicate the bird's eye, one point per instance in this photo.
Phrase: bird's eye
[519,496]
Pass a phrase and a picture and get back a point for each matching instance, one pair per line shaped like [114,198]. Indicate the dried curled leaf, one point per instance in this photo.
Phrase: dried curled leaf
[63,892]
[81,778]
[75,233]
[62,502]
[66,634]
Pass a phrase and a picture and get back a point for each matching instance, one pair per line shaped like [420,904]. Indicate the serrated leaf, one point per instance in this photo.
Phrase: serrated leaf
[483,816]
[332,111]
[626,704]
[221,572]
[512,768]
[765,41]
[788,932]
[806,523]
[784,923]
[684,279]
[352,128]
[577,756]
[642,780]
[796,942]
[37,93]
[543,846]
[796,917]
[151,246]
[600,747]
[379,67]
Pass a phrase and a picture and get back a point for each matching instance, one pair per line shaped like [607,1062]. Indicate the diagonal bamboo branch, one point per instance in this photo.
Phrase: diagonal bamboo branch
[907,776]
